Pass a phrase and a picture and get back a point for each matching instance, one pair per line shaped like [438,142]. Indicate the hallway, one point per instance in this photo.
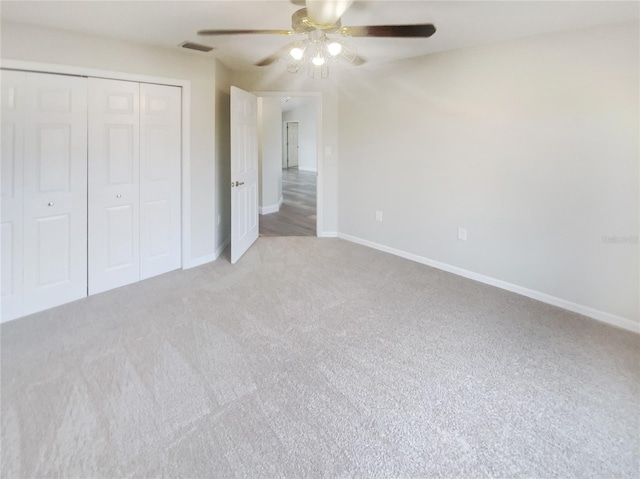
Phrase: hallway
[297,215]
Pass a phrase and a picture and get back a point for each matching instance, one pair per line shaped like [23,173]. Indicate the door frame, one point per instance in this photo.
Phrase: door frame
[286,142]
[185,160]
[319,146]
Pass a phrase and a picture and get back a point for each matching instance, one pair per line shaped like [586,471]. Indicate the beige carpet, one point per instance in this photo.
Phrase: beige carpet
[317,358]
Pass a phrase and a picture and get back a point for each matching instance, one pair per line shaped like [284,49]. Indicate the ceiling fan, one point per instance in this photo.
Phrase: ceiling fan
[320,23]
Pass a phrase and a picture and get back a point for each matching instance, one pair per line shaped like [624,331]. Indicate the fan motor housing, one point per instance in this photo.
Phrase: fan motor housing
[300,23]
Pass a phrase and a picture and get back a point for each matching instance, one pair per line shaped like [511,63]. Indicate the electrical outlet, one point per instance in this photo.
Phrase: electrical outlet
[378,215]
[462,234]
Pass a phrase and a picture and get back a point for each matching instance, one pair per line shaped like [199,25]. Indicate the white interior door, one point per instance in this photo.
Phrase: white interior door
[12,140]
[114,184]
[55,190]
[292,144]
[244,171]
[160,124]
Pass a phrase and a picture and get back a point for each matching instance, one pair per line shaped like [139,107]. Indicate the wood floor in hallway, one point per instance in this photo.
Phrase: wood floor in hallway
[297,215]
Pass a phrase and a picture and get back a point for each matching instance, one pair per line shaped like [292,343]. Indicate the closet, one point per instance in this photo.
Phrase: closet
[90,186]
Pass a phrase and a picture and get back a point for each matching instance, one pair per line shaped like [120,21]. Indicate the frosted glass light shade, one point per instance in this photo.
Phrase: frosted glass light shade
[296,53]
[334,48]
[318,60]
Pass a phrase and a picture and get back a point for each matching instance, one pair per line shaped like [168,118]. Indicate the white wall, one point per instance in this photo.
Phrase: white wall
[275,79]
[306,116]
[30,43]
[532,145]
[270,153]
[223,156]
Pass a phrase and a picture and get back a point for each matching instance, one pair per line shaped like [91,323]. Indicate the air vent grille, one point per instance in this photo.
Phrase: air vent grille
[196,46]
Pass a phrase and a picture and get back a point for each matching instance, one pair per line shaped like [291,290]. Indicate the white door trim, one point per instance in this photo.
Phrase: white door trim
[319,147]
[39,67]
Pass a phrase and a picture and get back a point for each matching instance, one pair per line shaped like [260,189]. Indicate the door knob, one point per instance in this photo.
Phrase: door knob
[50,203]
[118,196]
[238,183]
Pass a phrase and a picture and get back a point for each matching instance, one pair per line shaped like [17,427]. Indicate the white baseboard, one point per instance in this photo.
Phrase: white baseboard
[200,261]
[307,169]
[608,318]
[222,247]
[207,258]
[328,234]
[195,262]
[265,210]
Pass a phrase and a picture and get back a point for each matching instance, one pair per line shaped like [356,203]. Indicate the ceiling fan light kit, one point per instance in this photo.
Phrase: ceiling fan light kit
[316,52]
[319,48]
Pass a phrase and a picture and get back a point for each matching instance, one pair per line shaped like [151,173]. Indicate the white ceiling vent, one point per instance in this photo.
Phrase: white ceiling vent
[196,46]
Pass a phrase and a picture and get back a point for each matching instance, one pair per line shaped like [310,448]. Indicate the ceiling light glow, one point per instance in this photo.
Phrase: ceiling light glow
[318,60]
[334,48]
[296,53]
[316,53]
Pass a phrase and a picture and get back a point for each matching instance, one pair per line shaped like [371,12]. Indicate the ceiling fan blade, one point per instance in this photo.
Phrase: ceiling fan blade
[245,32]
[326,12]
[399,31]
[358,60]
[269,60]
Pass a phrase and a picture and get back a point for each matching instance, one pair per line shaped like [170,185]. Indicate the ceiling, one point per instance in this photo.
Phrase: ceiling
[290,103]
[459,23]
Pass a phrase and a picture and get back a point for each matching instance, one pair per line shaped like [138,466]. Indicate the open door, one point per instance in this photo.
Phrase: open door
[244,171]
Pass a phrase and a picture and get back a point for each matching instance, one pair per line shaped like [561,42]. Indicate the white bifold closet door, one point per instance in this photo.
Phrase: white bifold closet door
[134,182]
[160,147]
[114,184]
[44,191]
[12,139]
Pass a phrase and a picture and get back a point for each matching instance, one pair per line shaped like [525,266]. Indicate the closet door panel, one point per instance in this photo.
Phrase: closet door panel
[55,190]
[114,184]
[11,223]
[160,160]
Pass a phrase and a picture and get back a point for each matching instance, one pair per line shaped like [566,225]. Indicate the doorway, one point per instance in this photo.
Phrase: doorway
[291,146]
[297,168]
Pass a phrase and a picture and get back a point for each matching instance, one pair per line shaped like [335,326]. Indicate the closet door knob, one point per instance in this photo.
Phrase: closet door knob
[50,203]
[118,196]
